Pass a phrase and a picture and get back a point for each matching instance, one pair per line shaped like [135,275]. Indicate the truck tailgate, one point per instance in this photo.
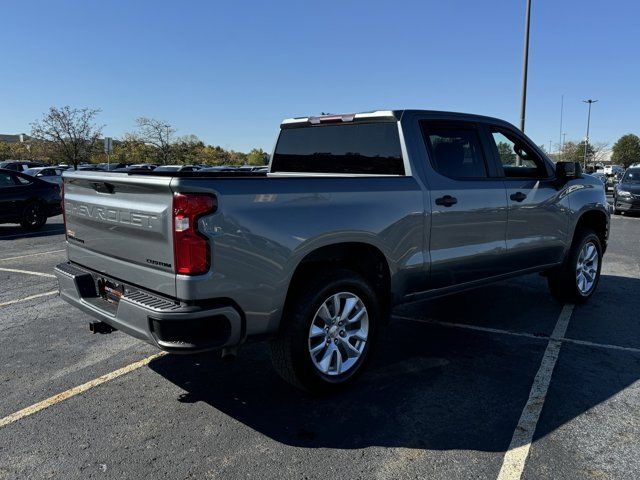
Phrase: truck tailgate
[120,225]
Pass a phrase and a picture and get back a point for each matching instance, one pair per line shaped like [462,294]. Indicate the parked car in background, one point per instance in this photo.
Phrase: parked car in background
[90,167]
[613,169]
[137,166]
[110,166]
[20,165]
[48,174]
[626,197]
[219,168]
[357,213]
[27,200]
[177,168]
[612,181]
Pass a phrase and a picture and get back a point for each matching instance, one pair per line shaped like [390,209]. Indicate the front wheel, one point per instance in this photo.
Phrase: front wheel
[578,278]
[329,332]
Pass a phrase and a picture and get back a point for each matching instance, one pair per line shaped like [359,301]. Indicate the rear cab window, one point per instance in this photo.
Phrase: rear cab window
[346,148]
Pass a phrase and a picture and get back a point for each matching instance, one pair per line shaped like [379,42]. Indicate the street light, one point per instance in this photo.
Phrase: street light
[523,105]
[586,142]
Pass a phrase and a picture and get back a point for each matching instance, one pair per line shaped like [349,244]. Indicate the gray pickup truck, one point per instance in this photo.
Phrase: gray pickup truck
[357,213]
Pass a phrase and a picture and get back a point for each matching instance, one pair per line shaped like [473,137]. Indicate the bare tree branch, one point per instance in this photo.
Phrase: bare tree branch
[72,131]
[156,133]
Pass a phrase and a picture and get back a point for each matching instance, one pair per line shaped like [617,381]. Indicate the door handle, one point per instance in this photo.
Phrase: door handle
[446,201]
[518,196]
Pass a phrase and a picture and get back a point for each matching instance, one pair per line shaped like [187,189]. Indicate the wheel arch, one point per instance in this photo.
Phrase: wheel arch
[363,258]
[595,220]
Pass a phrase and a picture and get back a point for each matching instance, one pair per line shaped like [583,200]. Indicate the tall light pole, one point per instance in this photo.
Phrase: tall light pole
[523,105]
[561,112]
[586,142]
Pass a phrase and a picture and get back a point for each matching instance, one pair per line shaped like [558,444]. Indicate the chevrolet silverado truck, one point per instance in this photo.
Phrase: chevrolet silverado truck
[356,214]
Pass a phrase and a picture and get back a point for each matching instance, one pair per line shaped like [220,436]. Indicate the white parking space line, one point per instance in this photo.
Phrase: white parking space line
[72,392]
[471,327]
[499,331]
[30,297]
[28,272]
[516,457]
[31,255]
[601,345]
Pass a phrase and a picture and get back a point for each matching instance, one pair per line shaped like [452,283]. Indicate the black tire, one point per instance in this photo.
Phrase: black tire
[290,349]
[563,282]
[34,216]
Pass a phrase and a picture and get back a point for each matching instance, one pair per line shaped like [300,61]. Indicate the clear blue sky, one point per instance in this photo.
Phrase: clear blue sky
[230,71]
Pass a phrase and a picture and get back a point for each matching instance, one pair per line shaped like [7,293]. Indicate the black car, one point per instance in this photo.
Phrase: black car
[20,165]
[626,196]
[27,200]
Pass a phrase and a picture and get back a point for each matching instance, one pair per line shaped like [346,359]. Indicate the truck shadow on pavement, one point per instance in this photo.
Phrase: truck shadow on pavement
[431,386]
[13,232]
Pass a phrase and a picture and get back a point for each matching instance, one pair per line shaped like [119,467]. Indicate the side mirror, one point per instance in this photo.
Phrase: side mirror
[566,171]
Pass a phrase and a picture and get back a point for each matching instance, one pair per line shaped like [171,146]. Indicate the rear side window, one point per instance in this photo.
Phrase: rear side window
[455,151]
[364,148]
[6,180]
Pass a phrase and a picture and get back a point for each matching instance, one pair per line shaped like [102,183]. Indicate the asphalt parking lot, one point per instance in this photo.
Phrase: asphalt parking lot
[453,380]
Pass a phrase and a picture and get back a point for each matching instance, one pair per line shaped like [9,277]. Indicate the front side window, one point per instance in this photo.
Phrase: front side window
[455,152]
[518,159]
[632,176]
[360,148]
[21,180]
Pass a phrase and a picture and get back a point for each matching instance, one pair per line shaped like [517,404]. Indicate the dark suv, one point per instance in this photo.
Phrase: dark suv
[626,196]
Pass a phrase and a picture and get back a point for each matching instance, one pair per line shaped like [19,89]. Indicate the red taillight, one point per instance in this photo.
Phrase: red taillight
[191,248]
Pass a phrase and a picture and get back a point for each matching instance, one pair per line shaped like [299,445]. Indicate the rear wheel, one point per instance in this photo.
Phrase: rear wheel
[578,278]
[328,334]
[33,216]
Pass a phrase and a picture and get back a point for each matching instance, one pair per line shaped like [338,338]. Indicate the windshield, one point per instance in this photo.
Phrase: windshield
[632,176]
[31,171]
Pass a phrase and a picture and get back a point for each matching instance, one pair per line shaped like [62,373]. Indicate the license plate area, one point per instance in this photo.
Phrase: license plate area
[110,291]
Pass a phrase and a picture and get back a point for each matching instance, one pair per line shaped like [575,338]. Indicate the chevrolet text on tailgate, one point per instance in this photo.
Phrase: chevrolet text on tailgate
[357,213]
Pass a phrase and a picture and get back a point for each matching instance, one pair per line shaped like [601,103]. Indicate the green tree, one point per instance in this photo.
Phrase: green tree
[574,152]
[132,150]
[5,151]
[257,157]
[507,155]
[626,150]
